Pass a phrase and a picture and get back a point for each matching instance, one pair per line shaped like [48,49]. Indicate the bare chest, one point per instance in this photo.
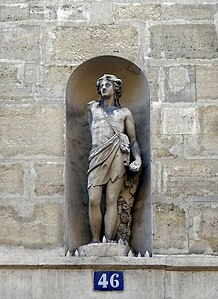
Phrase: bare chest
[103,125]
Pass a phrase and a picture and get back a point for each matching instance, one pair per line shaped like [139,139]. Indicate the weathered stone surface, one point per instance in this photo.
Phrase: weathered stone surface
[11,178]
[179,84]
[138,11]
[20,43]
[73,11]
[184,41]
[204,144]
[179,121]
[169,229]
[81,43]
[191,284]
[208,119]
[103,249]
[16,91]
[49,179]
[183,278]
[101,12]
[153,79]
[66,283]
[155,178]
[30,73]
[194,177]
[43,228]
[13,13]
[8,74]
[206,82]
[162,144]
[201,146]
[54,82]
[188,11]
[32,130]
[203,228]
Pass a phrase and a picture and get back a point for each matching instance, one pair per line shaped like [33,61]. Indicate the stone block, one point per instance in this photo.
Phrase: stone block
[18,2]
[14,13]
[10,86]
[8,74]
[11,178]
[187,41]
[179,84]
[152,74]
[20,43]
[77,44]
[167,239]
[49,179]
[162,144]
[32,130]
[73,11]
[155,178]
[101,12]
[204,144]
[195,177]
[54,82]
[16,91]
[138,11]
[30,73]
[167,146]
[201,146]
[41,229]
[206,82]
[46,13]
[179,121]
[61,282]
[188,11]
[208,117]
[199,284]
[203,232]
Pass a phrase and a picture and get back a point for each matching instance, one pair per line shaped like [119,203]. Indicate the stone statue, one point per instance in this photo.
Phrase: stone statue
[114,162]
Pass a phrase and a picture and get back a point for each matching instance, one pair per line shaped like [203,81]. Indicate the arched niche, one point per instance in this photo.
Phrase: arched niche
[81,88]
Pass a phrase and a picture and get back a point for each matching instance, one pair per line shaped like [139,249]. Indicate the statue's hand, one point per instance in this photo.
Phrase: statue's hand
[135,165]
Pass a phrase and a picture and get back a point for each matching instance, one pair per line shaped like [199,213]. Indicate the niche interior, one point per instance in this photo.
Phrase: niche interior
[81,88]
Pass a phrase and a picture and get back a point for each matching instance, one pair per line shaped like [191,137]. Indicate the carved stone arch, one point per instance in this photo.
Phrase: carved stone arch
[81,88]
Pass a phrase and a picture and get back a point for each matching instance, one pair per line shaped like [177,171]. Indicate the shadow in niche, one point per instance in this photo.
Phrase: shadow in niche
[81,88]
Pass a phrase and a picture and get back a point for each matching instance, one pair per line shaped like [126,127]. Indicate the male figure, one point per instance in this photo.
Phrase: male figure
[113,136]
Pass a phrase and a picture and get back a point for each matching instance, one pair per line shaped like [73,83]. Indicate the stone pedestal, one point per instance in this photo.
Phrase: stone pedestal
[38,274]
[103,249]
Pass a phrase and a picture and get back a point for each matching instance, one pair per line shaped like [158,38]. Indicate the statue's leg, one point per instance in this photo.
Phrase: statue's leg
[112,193]
[95,216]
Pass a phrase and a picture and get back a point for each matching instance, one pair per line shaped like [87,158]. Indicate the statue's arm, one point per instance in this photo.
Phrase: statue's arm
[134,147]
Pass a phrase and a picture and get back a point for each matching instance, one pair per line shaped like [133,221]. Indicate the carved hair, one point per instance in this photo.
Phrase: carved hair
[117,86]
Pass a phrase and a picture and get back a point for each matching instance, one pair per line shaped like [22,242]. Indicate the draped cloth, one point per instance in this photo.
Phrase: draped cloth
[106,163]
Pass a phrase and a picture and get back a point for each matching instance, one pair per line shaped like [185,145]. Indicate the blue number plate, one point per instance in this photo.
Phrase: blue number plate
[108,281]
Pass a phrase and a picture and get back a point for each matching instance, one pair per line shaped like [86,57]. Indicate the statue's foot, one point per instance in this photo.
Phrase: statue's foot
[110,241]
[95,241]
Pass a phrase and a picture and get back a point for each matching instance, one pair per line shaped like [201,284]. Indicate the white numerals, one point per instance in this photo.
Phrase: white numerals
[113,281]
[103,281]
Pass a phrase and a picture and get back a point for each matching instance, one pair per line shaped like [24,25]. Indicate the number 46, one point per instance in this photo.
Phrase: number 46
[114,282]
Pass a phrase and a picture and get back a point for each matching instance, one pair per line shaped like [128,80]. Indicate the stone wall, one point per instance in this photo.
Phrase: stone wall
[175,44]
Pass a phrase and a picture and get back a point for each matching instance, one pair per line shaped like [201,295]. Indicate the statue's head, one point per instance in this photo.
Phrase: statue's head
[116,83]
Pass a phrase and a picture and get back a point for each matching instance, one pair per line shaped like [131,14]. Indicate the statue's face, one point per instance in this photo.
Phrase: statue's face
[106,89]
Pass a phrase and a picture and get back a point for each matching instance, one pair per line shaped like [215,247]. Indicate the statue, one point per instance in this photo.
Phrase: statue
[114,162]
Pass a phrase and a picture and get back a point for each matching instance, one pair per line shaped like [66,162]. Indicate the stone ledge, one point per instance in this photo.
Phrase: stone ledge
[54,259]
